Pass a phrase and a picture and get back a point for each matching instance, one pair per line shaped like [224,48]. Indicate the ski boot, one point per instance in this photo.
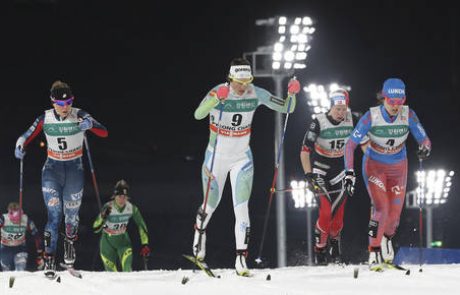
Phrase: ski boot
[240,263]
[375,259]
[321,256]
[69,251]
[199,243]
[388,253]
[50,266]
[335,251]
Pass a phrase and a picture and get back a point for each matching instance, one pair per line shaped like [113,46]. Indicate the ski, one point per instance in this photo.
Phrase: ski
[397,267]
[201,265]
[71,270]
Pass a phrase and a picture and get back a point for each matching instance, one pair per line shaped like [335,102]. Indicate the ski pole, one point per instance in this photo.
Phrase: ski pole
[420,216]
[93,174]
[21,178]
[288,190]
[208,187]
[272,189]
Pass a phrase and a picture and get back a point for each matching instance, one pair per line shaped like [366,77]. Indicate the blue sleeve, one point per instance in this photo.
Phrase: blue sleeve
[416,128]
[275,103]
[360,131]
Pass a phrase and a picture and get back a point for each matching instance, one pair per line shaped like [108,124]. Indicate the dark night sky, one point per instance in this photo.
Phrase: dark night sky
[141,67]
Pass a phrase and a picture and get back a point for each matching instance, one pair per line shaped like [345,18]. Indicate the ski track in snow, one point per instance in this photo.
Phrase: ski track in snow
[435,279]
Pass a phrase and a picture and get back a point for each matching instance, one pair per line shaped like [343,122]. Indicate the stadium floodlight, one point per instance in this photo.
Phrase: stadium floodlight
[433,187]
[291,45]
[318,96]
[302,196]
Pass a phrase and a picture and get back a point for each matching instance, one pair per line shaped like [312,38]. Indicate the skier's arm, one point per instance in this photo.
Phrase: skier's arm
[99,223]
[2,221]
[365,141]
[308,145]
[417,130]
[357,136]
[207,104]
[97,128]
[275,103]
[31,133]
[32,229]
[142,227]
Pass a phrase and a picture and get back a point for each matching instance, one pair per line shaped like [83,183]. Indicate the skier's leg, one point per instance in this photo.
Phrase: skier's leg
[108,253]
[397,179]
[125,252]
[72,195]
[322,229]
[52,182]
[336,227]
[7,258]
[20,260]
[218,178]
[375,180]
[241,177]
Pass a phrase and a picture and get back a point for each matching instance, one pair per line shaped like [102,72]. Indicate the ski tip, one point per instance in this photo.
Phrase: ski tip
[408,272]
[269,277]
[355,272]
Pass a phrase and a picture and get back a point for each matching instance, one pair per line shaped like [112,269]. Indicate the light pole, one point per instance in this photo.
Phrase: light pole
[286,54]
[433,187]
[304,198]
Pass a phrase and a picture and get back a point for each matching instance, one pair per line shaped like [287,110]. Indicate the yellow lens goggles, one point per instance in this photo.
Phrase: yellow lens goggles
[245,82]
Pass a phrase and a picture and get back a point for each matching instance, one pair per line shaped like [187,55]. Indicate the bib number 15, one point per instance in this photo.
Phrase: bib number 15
[337,144]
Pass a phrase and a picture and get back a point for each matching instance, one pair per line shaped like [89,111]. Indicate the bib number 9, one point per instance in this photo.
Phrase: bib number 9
[236,119]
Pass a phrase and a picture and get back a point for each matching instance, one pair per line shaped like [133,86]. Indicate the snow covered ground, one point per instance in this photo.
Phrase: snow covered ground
[435,279]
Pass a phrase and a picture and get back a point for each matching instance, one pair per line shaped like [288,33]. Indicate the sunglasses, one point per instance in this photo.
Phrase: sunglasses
[395,101]
[244,83]
[63,103]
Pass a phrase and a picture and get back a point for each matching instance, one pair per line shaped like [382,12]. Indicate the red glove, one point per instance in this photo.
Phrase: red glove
[293,86]
[222,92]
[145,251]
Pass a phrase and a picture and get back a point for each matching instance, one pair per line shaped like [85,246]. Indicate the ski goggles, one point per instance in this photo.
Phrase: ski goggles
[243,82]
[395,101]
[64,102]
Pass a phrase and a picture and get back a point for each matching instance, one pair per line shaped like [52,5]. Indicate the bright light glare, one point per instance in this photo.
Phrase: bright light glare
[433,186]
[294,35]
[301,195]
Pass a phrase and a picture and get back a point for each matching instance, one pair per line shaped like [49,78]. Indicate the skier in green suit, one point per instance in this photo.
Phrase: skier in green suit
[113,222]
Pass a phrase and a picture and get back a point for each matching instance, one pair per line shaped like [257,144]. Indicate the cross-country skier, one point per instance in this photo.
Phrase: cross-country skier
[62,176]
[232,153]
[322,161]
[385,165]
[115,244]
[13,249]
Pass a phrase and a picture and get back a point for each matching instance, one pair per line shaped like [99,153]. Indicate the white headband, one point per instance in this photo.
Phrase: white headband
[240,72]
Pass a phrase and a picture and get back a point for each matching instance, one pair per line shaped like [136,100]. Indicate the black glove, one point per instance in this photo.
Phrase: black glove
[349,182]
[310,178]
[423,152]
[106,212]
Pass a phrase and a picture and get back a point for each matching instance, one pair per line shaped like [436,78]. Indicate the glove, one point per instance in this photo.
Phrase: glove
[39,261]
[423,152]
[106,212]
[19,152]
[145,251]
[85,124]
[349,182]
[310,178]
[293,87]
[222,92]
